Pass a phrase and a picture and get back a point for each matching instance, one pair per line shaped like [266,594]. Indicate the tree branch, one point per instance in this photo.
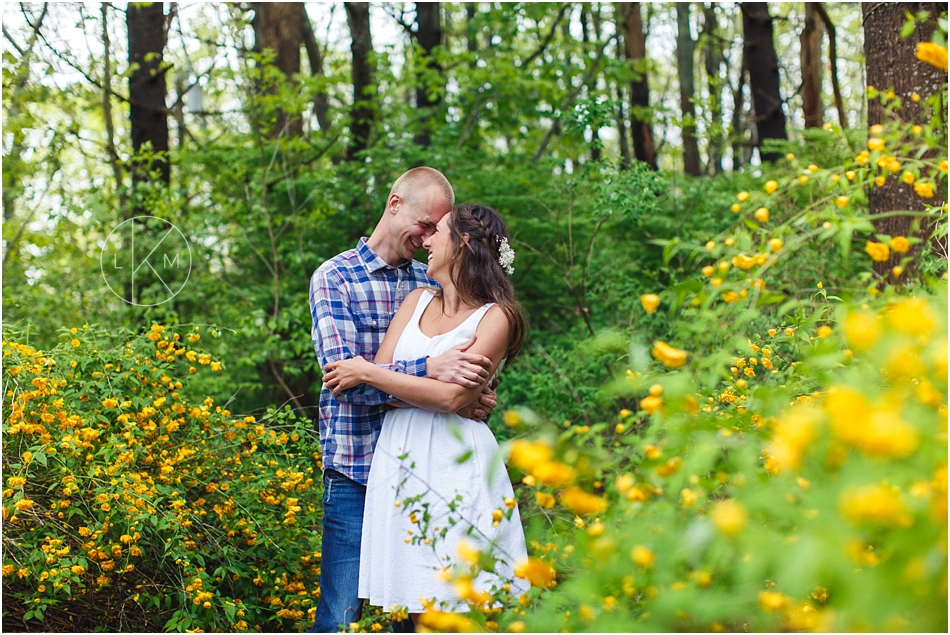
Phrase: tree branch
[548,38]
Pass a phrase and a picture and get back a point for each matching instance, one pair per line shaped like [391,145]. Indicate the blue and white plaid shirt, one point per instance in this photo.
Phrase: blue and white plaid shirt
[353,297]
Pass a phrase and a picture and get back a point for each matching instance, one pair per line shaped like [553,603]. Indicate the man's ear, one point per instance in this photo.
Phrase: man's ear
[393,203]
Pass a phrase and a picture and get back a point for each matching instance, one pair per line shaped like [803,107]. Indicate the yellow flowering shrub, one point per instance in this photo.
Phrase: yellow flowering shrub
[780,462]
[132,503]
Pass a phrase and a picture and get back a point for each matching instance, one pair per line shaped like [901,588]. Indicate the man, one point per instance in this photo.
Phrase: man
[353,297]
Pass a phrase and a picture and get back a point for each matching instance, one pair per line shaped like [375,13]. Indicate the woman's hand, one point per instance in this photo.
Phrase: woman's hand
[345,374]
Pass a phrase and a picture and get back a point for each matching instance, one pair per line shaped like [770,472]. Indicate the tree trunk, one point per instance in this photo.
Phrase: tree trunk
[321,107]
[635,41]
[712,59]
[893,65]
[833,61]
[363,111]
[428,93]
[762,64]
[148,116]
[471,33]
[811,66]
[685,47]
[278,28]
[737,129]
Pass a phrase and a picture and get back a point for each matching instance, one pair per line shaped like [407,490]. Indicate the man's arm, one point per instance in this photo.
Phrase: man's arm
[335,335]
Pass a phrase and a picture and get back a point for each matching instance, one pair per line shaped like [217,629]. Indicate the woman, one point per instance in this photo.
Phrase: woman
[433,481]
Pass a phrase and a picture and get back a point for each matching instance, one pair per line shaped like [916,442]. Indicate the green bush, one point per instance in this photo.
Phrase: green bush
[130,504]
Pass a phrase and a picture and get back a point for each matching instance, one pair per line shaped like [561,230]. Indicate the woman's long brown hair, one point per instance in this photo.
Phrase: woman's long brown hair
[475,268]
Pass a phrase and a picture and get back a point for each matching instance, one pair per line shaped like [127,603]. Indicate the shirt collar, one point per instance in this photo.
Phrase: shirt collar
[374,261]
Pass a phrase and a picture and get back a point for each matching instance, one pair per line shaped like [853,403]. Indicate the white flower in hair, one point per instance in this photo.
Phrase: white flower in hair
[506,255]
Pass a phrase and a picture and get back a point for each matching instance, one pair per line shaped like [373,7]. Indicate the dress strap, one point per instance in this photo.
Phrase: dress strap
[421,304]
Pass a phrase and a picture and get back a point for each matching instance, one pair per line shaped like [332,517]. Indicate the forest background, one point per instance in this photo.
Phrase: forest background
[625,144]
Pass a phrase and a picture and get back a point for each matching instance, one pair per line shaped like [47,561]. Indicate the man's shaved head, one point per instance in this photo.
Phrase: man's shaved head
[415,184]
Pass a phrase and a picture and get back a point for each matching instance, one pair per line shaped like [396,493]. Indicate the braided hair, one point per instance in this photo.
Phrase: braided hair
[475,267]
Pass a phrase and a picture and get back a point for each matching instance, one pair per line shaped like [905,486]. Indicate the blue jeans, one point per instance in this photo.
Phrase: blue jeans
[343,502]
[339,604]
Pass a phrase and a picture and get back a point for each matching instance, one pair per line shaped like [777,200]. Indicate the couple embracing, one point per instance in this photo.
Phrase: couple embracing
[409,353]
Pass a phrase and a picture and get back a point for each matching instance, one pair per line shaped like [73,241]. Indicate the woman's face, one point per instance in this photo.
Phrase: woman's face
[440,249]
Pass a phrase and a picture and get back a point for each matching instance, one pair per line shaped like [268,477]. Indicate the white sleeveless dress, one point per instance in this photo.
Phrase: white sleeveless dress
[452,465]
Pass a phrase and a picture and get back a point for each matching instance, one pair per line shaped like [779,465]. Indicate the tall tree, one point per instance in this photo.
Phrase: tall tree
[631,23]
[685,47]
[430,82]
[277,28]
[363,111]
[712,61]
[811,38]
[833,61]
[148,115]
[762,64]
[321,105]
[893,65]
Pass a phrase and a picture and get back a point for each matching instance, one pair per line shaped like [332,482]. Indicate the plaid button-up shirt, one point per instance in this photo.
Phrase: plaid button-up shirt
[353,297]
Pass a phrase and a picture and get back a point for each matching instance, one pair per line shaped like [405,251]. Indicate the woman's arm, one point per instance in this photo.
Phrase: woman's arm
[491,340]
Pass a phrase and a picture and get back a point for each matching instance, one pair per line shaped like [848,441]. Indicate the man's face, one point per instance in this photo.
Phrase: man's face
[413,224]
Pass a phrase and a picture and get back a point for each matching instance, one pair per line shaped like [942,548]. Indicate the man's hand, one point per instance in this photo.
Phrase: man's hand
[457,366]
[481,408]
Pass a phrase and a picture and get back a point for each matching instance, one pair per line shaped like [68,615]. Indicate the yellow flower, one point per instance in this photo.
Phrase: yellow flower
[841,201]
[908,177]
[444,622]
[862,330]
[688,497]
[893,166]
[875,505]
[776,244]
[537,572]
[215,367]
[708,270]
[924,190]
[824,331]
[933,54]
[23,504]
[850,174]
[710,245]
[770,601]
[899,244]
[651,404]
[525,454]
[110,402]
[771,186]
[671,357]
[544,499]
[643,557]
[467,552]
[880,181]
[879,252]
[762,215]
[743,262]
[943,166]
[581,503]
[75,343]
[912,316]
[511,418]
[803,179]
[650,302]
[875,144]
[896,271]
[16,481]
[553,473]
[794,433]
[729,517]
[742,196]
[735,208]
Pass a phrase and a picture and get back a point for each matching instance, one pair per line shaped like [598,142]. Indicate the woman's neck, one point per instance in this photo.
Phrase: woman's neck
[451,301]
